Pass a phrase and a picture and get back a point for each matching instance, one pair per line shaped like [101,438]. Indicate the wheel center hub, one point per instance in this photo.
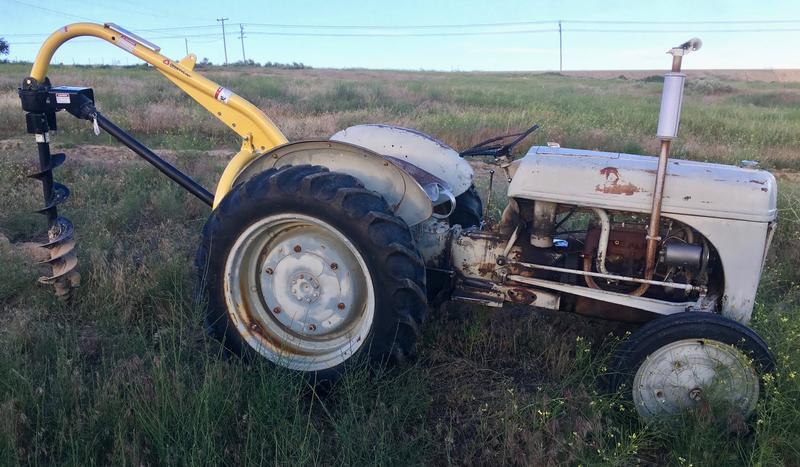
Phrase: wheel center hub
[305,288]
[696,394]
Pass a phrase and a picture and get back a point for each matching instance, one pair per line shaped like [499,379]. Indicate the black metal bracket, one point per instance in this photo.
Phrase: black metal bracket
[42,101]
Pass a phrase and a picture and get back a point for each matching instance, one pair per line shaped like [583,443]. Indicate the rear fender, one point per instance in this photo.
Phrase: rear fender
[405,196]
[413,147]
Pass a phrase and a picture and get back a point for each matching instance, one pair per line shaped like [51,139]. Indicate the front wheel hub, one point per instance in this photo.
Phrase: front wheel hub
[689,372]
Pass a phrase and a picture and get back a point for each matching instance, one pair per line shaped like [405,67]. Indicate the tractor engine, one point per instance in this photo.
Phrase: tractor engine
[574,237]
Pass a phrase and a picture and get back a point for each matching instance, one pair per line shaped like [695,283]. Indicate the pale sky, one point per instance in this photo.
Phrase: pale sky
[427,34]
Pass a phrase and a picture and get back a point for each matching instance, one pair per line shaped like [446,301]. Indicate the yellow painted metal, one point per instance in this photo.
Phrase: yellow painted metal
[257,130]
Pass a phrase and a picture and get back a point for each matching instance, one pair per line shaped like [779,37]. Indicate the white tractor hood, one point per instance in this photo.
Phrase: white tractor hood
[625,182]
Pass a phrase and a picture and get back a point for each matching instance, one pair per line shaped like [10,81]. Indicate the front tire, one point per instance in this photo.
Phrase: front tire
[688,360]
[309,269]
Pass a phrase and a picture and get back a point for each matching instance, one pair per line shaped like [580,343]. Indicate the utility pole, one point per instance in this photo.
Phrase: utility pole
[241,37]
[186,41]
[560,49]
[224,43]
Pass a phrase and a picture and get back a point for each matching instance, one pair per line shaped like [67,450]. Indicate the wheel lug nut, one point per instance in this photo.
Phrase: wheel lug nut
[254,326]
[340,306]
[297,249]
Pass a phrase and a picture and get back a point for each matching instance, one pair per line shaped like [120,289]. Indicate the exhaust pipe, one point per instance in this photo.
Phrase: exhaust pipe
[668,122]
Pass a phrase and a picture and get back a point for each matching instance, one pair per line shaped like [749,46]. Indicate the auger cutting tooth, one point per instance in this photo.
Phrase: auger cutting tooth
[55,161]
[61,248]
[60,194]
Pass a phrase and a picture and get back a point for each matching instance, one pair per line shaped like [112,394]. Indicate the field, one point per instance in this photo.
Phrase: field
[126,376]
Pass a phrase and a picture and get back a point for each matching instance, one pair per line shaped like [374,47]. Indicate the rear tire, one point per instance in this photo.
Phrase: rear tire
[676,362]
[309,269]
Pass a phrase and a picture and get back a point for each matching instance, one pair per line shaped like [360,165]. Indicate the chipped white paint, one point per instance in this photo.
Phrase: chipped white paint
[625,182]
[419,149]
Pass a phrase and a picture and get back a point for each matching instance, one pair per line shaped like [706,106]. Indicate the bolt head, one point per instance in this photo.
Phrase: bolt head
[276,310]
[269,271]
[312,327]
[297,249]
[334,266]
[340,306]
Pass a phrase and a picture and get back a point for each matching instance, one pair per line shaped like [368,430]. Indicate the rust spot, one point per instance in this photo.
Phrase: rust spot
[521,295]
[764,190]
[610,172]
[760,182]
[297,249]
[334,266]
[486,268]
[687,198]
[612,185]
[627,189]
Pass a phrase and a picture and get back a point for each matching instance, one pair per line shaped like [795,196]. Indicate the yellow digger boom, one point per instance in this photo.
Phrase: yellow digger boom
[258,132]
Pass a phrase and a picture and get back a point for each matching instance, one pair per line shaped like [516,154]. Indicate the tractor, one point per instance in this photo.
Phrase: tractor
[318,254]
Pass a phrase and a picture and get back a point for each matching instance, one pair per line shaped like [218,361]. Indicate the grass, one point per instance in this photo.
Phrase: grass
[126,376]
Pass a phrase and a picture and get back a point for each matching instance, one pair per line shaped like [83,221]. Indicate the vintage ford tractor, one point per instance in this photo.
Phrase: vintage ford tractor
[320,253]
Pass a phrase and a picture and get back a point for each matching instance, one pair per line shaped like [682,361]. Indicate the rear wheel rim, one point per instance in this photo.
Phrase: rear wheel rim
[299,292]
[689,373]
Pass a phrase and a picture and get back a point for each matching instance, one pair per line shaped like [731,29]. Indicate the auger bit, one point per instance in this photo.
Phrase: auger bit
[41,119]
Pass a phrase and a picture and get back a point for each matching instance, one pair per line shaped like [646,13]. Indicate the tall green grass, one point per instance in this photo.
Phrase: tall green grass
[126,376]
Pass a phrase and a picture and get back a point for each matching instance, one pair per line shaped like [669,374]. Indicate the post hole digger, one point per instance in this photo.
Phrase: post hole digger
[318,253]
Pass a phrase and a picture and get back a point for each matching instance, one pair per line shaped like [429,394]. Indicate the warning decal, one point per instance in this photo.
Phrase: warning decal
[62,98]
[223,94]
[126,43]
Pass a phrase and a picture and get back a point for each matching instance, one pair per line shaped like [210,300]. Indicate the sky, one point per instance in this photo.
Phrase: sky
[426,34]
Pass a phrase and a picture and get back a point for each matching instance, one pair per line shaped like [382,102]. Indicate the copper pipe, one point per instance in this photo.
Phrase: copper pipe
[676,63]
[655,216]
[587,266]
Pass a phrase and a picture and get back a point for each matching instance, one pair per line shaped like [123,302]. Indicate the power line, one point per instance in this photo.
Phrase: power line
[405,26]
[422,26]
[55,12]
[515,23]
[690,31]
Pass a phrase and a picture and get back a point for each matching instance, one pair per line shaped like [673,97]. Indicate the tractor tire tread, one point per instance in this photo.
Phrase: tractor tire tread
[383,239]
